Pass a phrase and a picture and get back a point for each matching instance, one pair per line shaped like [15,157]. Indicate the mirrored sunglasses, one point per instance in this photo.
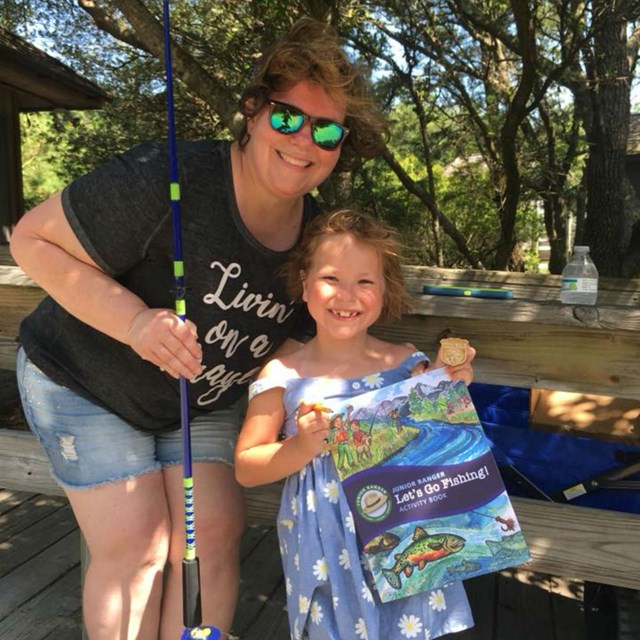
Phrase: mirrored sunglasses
[287,119]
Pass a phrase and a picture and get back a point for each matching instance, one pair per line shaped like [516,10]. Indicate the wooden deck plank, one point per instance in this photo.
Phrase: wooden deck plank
[11,499]
[515,601]
[272,621]
[28,513]
[29,543]
[40,598]
[568,616]
[629,615]
[33,576]
[252,537]
[599,545]
[53,614]
[482,593]
[260,577]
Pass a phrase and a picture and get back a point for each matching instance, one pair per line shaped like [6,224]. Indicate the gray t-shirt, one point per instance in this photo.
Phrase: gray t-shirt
[121,214]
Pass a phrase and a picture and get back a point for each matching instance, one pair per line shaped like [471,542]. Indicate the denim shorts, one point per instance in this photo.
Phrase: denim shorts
[88,446]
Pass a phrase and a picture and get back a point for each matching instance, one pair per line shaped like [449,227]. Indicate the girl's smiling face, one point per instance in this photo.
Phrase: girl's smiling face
[344,287]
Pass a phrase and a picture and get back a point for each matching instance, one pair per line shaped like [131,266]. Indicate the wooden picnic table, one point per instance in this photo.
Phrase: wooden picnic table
[530,341]
[534,341]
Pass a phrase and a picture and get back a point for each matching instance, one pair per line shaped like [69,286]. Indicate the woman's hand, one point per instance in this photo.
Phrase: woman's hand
[161,337]
[462,371]
[313,427]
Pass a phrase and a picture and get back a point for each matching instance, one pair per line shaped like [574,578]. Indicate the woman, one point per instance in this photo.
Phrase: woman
[100,356]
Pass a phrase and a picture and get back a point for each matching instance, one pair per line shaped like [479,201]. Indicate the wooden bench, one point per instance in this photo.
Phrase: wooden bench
[529,341]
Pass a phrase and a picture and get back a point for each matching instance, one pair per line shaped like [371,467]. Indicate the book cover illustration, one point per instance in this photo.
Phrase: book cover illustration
[428,502]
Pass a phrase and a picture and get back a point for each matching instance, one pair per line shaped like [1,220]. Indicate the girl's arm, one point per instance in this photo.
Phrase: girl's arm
[462,371]
[260,457]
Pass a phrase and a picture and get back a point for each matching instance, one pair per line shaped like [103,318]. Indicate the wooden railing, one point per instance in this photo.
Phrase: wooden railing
[529,341]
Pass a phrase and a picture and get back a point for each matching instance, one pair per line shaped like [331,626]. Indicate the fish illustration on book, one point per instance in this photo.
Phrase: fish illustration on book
[463,567]
[508,546]
[424,548]
[382,542]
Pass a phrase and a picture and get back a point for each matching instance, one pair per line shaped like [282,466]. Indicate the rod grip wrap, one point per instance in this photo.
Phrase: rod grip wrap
[191,605]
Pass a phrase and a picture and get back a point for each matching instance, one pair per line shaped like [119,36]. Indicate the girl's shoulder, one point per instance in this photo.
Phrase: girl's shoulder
[394,355]
[274,375]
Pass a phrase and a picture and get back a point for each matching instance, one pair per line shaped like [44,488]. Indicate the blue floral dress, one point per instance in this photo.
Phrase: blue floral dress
[329,591]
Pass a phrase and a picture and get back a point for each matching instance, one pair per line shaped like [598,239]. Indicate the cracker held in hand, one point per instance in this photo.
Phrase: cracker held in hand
[453,351]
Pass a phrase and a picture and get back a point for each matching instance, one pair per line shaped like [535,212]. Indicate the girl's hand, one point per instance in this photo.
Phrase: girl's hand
[462,371]
[161,337]
[313,427]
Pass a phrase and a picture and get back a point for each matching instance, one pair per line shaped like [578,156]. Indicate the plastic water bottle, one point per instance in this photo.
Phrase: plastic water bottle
[579,279]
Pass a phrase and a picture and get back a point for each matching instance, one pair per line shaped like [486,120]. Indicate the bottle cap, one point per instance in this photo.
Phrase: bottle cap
[580,248]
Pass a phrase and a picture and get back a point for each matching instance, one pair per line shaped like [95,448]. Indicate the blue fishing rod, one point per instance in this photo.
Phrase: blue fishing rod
[191,599]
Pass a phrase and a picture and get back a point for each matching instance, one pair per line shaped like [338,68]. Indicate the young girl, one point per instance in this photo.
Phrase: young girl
[347,270]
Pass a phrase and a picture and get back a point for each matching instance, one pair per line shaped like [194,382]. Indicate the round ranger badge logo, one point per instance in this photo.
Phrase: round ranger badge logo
[373,503]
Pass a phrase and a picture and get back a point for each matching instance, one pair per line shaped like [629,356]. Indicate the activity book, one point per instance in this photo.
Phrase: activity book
[428,501]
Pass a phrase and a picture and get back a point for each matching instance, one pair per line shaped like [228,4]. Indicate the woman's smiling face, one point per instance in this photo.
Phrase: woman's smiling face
[292,165]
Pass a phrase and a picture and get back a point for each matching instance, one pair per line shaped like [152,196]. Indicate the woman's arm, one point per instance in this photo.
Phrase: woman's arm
[260,457]
[46,248]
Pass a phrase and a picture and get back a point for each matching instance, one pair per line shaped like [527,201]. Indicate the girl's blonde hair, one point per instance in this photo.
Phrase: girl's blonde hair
[365,229]
[311,51]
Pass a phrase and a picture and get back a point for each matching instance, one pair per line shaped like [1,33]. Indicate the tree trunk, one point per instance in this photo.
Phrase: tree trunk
[607,226]
[506,252]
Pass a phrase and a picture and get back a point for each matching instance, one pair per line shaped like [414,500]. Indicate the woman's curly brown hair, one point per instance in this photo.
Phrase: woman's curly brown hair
[364,229]
[311,51]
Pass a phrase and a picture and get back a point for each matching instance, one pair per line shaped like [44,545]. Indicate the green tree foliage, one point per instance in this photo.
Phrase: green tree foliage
[498,109]
[526,86]
[41,150]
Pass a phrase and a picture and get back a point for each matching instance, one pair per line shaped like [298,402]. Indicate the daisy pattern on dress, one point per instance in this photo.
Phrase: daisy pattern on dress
[311,500]
[294,506]
[316,613]
[366,592]
[344,560]
[320,569]
[427,634]
[361,629]
[373,381]
[289,586]
[348,523]
[296,561]
[331,491]
[303,604]
[453,626]
[410,626]
[286,522]
[437,600]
